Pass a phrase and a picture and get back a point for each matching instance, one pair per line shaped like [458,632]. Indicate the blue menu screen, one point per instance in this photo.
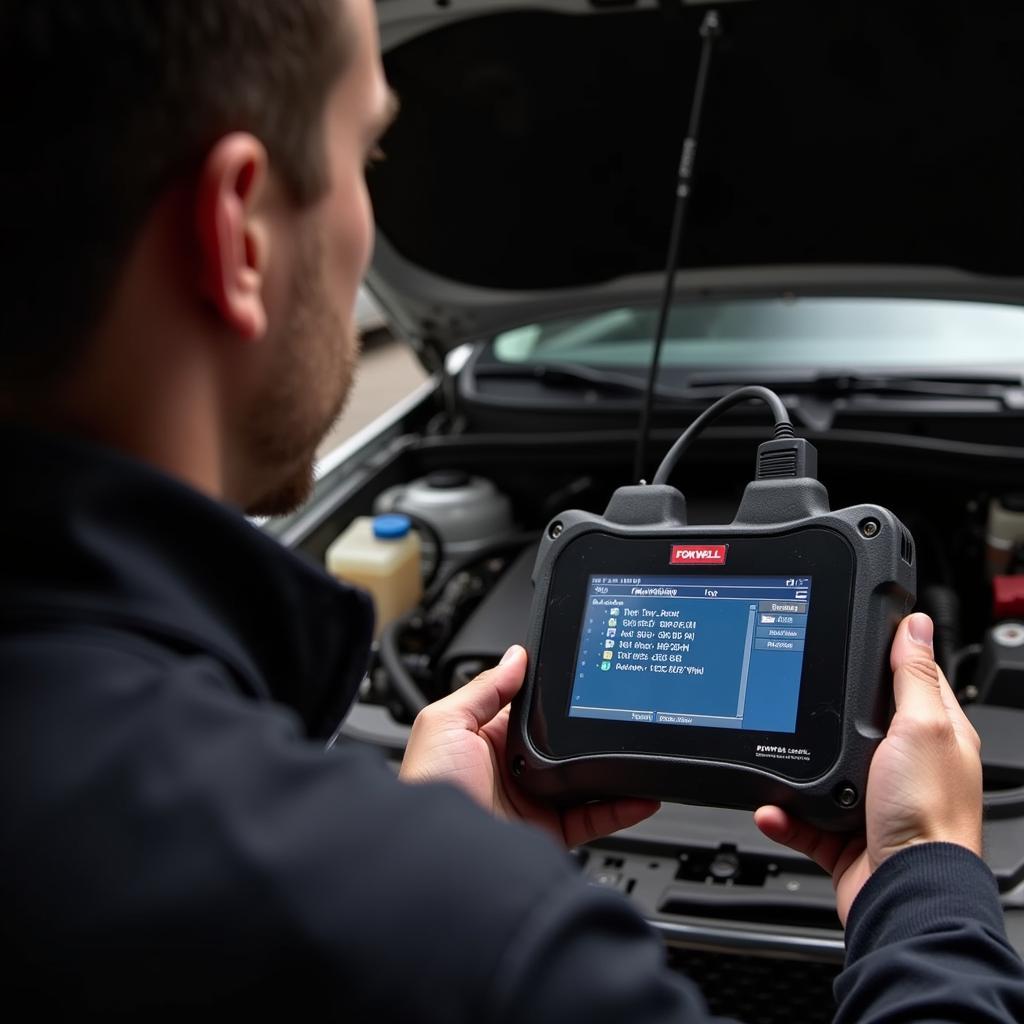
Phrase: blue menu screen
[721,651]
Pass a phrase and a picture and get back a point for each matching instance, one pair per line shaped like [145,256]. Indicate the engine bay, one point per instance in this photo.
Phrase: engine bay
[704,877]
[494,494]
[970,553]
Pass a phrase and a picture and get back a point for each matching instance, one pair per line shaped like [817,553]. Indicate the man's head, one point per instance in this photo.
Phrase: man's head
[183,196]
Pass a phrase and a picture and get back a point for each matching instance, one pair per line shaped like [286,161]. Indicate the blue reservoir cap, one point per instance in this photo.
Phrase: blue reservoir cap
[391,527]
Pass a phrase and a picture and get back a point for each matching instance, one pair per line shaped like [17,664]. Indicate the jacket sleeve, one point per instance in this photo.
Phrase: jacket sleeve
[926,941]
[173,851]
[584,954]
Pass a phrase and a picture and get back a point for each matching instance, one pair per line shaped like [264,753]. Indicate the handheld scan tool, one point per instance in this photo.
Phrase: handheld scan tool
[732,665]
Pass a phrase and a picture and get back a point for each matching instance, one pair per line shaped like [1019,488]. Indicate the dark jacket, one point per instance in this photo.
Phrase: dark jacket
[175,837]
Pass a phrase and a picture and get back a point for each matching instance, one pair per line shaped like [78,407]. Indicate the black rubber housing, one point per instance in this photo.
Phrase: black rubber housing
[881,591]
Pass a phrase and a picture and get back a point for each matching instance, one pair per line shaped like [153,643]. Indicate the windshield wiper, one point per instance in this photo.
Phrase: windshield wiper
[1008,389]
[934,387]
[580,378]
[704,386]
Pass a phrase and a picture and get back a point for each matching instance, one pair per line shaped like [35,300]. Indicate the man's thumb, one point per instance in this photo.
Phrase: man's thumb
[483,697]
[913,640]
[917,680]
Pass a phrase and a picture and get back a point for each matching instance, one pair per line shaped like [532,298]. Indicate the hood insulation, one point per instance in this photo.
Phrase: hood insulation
[538,150]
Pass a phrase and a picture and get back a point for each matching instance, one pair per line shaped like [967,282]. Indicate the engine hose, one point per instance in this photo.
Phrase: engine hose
[943,605]
[402,683]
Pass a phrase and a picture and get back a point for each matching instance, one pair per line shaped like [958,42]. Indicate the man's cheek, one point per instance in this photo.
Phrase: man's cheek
[358,214]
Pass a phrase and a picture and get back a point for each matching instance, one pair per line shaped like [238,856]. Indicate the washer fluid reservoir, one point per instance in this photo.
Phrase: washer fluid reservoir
[381,555]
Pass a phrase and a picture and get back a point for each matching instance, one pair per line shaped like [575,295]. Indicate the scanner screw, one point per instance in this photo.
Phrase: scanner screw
[555,529]
[518,766]
[846,796]
[870,527]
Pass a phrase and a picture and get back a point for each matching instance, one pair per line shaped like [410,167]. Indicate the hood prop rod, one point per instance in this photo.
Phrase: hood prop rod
[710,30]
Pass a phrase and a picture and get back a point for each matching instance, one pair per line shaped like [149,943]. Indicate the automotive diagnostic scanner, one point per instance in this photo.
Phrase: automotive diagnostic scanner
[732,665]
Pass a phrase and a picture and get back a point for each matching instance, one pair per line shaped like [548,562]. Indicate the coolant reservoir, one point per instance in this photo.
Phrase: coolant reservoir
[468,512]
[380,554]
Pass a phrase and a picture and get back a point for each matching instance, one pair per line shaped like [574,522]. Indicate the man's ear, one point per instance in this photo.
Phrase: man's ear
[232,238]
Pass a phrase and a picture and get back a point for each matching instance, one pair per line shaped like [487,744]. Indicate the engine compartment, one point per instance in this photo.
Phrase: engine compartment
[477,598]
[704,877]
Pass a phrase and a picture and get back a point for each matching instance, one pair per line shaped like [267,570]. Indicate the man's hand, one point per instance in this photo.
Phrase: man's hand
[461,740]
[924,785]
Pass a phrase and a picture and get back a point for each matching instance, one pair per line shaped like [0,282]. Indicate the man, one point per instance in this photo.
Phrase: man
[185,203]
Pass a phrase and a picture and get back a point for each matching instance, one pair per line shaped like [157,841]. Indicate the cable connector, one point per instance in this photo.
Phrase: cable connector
[784,457]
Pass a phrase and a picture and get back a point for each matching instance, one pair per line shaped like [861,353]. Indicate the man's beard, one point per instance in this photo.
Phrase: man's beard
[317,352]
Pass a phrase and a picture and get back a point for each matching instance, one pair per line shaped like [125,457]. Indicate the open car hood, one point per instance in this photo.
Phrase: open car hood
[847,147]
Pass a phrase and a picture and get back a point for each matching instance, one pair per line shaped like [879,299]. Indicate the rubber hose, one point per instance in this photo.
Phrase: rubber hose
[402,683]
[943,605]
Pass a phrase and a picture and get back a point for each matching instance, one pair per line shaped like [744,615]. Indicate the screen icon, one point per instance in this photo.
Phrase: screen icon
[609,643]
[611,632]
[608,655]
[605,666]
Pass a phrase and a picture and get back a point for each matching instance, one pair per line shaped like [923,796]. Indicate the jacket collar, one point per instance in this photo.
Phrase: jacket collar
[95,536]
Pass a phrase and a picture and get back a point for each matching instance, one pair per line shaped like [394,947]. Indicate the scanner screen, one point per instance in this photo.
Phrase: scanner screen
[719,651]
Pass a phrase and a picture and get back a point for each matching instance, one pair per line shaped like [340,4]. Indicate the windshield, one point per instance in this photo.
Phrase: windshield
[817,333]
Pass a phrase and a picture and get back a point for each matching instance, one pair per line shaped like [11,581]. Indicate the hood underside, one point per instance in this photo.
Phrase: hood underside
[845,146]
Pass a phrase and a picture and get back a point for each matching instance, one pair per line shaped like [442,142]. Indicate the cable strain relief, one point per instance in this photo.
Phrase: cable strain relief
[783,430]
[787,457]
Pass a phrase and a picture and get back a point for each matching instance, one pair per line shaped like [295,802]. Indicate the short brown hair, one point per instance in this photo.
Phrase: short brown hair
[103,105]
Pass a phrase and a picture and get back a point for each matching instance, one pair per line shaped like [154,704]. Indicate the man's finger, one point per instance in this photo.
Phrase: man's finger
[822,847]
[591,821]
[477,703]
[917,680]
[913,640]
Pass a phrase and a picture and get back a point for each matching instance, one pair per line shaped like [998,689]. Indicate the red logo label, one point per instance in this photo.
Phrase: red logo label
[698,554]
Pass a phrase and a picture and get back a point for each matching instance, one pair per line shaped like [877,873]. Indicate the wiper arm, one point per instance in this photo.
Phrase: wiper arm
[579,378]
[1008,390]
